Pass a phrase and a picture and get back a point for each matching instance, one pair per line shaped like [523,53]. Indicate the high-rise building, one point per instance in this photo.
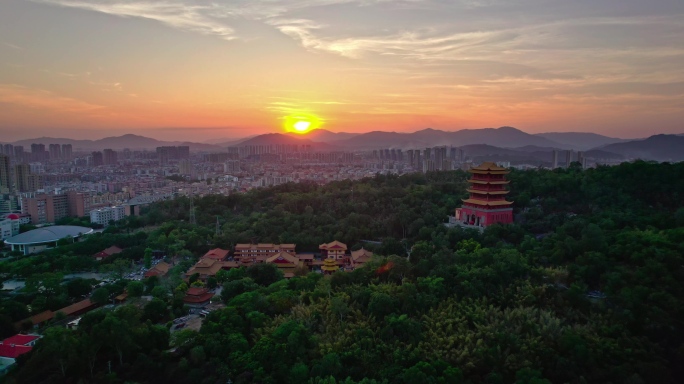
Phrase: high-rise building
[67,151]
[126,154]
[79,203]
[35,182]
[9,203]
[187,168]
[5,183]
[7,149]
[19,155]
[55,151]
[110,157]
[96,159]
[37,168]
[569,157]
[164,154]
[554,160]
[45,209]
[440,156]
[38,152]
[231,167]
[21,177]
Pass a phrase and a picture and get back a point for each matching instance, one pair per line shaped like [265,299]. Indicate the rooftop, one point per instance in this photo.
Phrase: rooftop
[48,234]
[20,339]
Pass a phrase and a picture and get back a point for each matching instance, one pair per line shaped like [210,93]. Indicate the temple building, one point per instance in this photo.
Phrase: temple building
[258,253]
[359,258]
[287,263]
[330,266]
[487,203]
[335,250]
[197,297]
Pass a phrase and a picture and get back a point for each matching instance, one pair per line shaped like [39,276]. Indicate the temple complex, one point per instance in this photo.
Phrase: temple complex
[487,203]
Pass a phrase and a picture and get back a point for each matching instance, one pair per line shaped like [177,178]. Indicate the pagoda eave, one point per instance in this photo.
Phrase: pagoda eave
[487,192]
[497,182]
[481,172]
[495,203]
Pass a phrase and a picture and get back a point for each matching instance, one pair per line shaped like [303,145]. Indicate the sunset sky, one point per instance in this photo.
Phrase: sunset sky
[197,70]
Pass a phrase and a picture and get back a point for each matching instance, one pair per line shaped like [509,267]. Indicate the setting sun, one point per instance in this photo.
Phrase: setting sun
[301,123]
[302,126]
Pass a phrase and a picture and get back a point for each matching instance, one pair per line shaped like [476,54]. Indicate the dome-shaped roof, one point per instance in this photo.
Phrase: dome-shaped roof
[48,234]
[13,216]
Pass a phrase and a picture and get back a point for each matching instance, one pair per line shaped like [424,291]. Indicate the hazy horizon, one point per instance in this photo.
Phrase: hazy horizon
[96,135]
[88,69]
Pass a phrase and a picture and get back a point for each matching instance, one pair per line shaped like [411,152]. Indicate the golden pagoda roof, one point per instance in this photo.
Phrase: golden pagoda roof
[330,265]
[496,203]
[500,192]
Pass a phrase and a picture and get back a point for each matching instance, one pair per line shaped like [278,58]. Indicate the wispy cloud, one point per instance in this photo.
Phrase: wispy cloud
[191,17]
[45,100]
[13,46]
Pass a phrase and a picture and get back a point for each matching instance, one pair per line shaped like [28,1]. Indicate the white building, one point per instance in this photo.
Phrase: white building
[8,228]
[37,168]
[104,216]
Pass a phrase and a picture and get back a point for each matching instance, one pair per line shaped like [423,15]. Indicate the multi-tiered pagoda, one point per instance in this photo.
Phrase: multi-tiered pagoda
[487,203]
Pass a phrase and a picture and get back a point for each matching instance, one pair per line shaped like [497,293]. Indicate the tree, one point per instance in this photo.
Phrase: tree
[77,288]
[148,258]
[221,276]
[100,296]
[156,310]
[135,288]
[160,292]
[212,283]
[118,269]
[46,284]
[193,278]
[264,274]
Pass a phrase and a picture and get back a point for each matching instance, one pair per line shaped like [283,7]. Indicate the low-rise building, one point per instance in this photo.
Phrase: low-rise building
[216,254]
[8,228]
[106,215]
[160,269]
[43,238]
[359,258]
[208,267]
[258,253]
[113,250]
[335,250]
[13,347]
[197,297]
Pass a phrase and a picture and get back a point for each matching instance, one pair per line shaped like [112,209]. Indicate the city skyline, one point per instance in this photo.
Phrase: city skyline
[90,69]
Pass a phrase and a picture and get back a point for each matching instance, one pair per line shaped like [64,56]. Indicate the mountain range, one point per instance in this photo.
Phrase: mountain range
[503,141]
[130,141]
[657,147]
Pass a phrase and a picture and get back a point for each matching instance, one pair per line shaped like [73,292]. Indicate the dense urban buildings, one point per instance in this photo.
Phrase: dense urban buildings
[94,180]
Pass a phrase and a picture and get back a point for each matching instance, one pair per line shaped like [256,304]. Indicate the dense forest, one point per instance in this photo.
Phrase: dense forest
[585,287]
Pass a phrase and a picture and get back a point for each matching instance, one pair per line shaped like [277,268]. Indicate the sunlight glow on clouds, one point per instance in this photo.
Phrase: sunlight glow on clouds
[358,64]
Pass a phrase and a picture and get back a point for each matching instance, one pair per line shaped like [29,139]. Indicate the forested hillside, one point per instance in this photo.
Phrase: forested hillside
[586,287]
